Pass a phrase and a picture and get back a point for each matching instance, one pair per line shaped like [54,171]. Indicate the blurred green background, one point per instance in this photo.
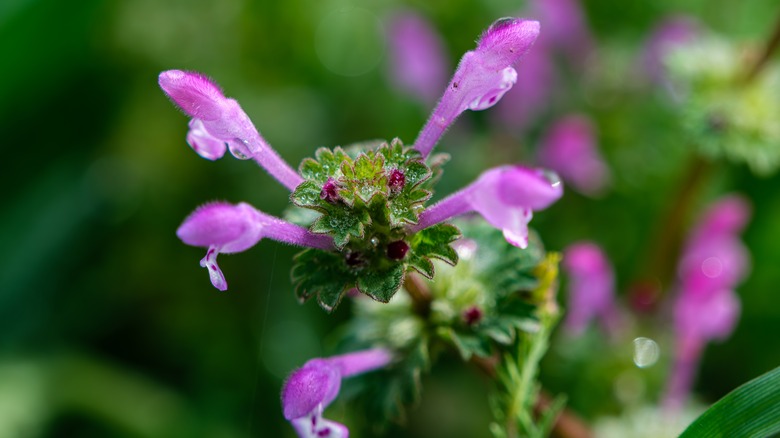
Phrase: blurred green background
[108,326]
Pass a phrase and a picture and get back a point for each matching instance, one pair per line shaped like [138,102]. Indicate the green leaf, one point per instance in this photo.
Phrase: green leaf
[381,285]
[506,268]
[307,195]
[752,410]
[467,345]
[435,242]
[423,265]
[501,329]
[326,165]
[396,155]
[312,170]
[405,207]
[416,172]
[342,224]
[435,164]
[386,392]
[322,274]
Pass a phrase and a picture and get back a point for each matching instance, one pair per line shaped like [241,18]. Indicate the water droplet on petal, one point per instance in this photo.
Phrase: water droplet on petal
[551,177]
[240,149]
[712,267]
[646,352]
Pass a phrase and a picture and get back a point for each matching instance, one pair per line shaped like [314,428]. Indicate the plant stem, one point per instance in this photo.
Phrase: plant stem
[669,236]
[770,47]
[420,294]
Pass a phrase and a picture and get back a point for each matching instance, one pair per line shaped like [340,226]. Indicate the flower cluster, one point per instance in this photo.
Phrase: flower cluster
[372,225]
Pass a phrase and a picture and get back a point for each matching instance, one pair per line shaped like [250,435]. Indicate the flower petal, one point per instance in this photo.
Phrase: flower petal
[215,274]
[483,76]
[197,95]
[532,188]
[314,425]
[506,41]
[314,385]
[203,143]
[232,228]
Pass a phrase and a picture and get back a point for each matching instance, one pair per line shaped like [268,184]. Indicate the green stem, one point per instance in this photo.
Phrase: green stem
[770,47]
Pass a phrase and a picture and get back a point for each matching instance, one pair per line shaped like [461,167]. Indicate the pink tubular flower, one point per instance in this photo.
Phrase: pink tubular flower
[227,228]
[417,56]
[311,388]
[569,148]
[591,288]
[713,263]
[218,121]
[482,77]
[505,196]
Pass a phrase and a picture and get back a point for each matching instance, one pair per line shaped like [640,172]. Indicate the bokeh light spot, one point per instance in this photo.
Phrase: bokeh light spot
[646,352]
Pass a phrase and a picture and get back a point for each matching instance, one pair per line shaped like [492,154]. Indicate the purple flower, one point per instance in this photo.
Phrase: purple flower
[417,57]
[482,77]
[219,123]
[505,196]
[227,228]
[311,388]
[713,263]
[569,148]
[591,288]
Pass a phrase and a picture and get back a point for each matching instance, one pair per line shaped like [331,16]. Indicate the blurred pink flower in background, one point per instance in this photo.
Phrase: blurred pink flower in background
[706,308]
[570,148]
[591,292]
[419,65]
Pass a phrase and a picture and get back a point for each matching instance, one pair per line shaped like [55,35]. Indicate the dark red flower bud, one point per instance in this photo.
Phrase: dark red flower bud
[472,315]
[330,191]
[396,181]
[397,250]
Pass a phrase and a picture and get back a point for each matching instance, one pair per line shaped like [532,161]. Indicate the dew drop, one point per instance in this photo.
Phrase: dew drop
[646,352]
[712,267]
[240,149]
[374,241]
[551,177]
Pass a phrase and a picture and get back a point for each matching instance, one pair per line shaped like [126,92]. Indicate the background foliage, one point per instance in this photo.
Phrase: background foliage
[108,326]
